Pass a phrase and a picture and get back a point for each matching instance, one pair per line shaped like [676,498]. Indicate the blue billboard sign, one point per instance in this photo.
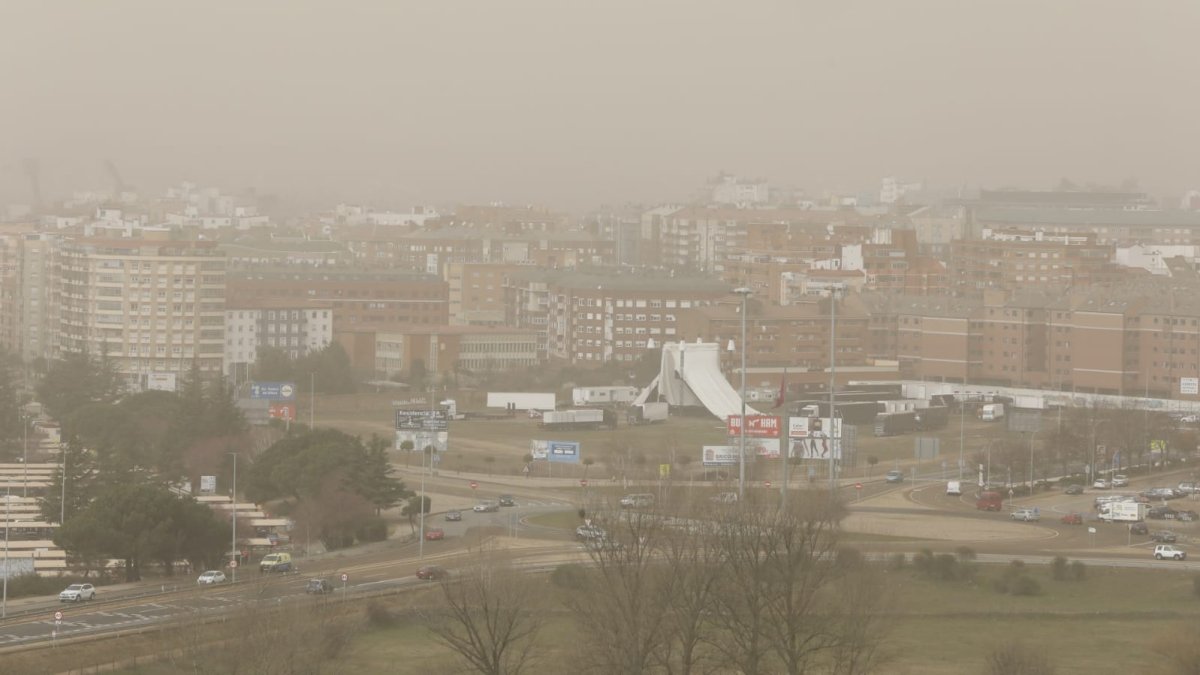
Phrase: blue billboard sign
[273,391]
[562,451]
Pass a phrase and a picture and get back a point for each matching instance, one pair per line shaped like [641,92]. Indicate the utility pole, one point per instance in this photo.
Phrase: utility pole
[832,383]
[421,505]
[233,496]
[745,293]
[962,425]
[312,400]
[25,453]
[62,512]
[4,603]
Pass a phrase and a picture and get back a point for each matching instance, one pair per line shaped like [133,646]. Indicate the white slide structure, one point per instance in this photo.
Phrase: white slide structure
[690,375]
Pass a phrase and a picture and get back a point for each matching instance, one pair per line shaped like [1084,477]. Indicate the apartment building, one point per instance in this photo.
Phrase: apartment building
[1015,259]
[598,316]
[151,306]
[476,292]
[356,298]
[253,325]
[386,352]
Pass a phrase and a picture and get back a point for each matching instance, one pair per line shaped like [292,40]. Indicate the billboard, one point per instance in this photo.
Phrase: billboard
[757,426]
[562,451]
[763,447]
[440,440]
[282,411]
[815,437]
[274,391]
[160,382]
[719,455]
[422,420]
[208,484]
[538,449]
[1189,386]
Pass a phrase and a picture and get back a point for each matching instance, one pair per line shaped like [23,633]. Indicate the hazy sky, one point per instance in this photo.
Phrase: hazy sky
[575,103]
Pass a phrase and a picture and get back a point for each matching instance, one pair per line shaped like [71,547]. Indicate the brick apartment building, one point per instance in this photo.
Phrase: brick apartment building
[385,352]
[356,298]
[1014,259]
[476,292]
[594,317]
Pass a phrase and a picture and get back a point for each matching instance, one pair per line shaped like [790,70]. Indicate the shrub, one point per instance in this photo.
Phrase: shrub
[571,576]
[374,529]
[897,561]
[1025,585]
[379,616]
[1015,581]
[1014,658]
[1059,568]
[849,558]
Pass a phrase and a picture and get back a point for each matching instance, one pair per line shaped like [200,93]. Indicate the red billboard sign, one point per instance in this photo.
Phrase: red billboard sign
[282,411]
[757,426]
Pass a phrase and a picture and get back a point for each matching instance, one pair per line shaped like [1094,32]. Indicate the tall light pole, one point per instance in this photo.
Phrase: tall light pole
[833,444]
[62,510]
[421,504]
[962,425]
[1092,466]
[233,498]
[745,293]
[4,602]
[25,454]
[312,400]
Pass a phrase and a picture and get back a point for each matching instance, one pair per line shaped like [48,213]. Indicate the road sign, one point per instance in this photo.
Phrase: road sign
[1091,530]
[474,485]
[275,391]
[582,482]
[233,564]
[281,411]
[345,577]
[422,420]
[858,486]
[58,616]
[767,483]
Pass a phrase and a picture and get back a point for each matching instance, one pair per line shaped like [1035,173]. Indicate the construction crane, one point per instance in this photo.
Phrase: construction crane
[119,185]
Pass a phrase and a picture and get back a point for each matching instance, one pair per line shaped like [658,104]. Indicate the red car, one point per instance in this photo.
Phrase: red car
[1073,519]
[434,533]
[431,572]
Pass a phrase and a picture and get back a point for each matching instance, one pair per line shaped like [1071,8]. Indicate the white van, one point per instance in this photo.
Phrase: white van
[954,488]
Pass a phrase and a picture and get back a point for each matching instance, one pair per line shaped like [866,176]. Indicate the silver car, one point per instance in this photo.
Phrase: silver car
[77,593]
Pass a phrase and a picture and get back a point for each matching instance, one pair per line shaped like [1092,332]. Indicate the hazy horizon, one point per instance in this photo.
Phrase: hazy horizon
[573,104]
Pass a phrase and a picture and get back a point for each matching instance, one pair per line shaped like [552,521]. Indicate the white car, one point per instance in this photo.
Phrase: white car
[78,592]
[211,577]
[1168,551]
[486,506]
[1101,484]
[1120,480]
[1027,515]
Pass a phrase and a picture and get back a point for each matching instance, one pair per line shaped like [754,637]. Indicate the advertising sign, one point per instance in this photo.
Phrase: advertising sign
[423,420]
[1189,386]
[538,449]
[562,451]
[282,411]
[757,426]
[763,447]
[275,391]
[719,455]
[811,437]
[160,382]
[208,484]
[440,440]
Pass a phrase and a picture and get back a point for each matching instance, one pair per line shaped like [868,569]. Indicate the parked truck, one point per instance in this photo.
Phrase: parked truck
[648,413]
[932,418]
[892,424]
[989,501]
[585,396]
[578,419]
[991,412]
[518,400]
[1123,512]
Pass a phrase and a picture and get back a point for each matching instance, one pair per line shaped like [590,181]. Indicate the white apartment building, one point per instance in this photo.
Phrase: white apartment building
[149,305]
[249,327]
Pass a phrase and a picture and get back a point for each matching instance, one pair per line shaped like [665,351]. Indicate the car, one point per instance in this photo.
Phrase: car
[1120,480]
[641,500]
[1138,528]
[318,587]
[453,516]
[894,476]
[1073,519]
[276,562]
[1162,513]
[1164,536]
[434,534]
[1189,419]
[588,532]
[432,572]
[211,577]
[1188,488]
[725,498]
[507,500]
[1026,515]
[1187,516]
[1075,489]
[534,414]
[77,593]
[486,506]
[1168,551]
[1101,484]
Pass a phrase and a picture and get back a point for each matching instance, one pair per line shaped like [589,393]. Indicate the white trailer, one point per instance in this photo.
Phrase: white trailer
[1123,512]
[991,412]
[582,396]
[578,419]
[521,400]
[648,413]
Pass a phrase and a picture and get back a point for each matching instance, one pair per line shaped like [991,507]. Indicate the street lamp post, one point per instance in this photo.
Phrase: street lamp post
[233,539]
[745,293]
[4,602]
[962,425]
[1092,466]
[833,443]
[25,454]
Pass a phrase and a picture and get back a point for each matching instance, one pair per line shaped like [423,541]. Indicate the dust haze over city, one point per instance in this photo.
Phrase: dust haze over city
[628,337]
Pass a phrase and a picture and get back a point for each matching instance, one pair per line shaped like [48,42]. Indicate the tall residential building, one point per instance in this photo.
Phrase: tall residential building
[296,328]
[149,306]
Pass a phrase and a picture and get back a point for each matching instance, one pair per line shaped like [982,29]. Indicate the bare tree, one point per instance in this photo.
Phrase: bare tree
[624,607]
[492,619]
[693,564]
